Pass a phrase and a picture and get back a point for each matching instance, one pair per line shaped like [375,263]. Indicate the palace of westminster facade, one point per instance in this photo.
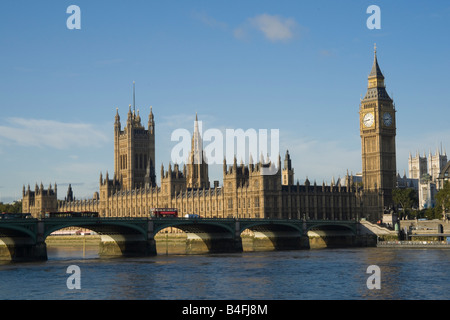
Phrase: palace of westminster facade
[246,192]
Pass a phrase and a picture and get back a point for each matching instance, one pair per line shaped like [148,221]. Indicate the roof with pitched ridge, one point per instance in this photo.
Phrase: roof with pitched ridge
[376,71]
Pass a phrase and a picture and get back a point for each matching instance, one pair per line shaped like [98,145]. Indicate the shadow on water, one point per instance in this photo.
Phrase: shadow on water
[66,252]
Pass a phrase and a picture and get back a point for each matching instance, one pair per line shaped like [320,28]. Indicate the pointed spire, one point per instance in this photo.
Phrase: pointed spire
[138,117]
[376,71]
[117,118]
[134,98]
[151,121]
[197,144]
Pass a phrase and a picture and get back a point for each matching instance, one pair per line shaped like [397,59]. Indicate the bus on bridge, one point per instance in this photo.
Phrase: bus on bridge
[9,215]
[71,214]
[163,213]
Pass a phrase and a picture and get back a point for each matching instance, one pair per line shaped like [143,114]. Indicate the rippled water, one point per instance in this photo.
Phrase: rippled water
[278,275]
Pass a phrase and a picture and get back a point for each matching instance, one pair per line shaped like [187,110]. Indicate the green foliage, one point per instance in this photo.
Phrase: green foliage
[443,199]
[15,207]
[431,213]
[416,214]
[405,198]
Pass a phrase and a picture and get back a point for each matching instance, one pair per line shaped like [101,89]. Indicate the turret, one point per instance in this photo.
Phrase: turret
[287,174]
[117,120]
[70,193]
[151,122]
[130,117]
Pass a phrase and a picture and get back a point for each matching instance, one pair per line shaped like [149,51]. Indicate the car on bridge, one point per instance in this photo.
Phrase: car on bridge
[192,216]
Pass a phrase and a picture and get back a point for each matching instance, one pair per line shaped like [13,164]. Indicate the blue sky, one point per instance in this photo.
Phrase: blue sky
[300,67]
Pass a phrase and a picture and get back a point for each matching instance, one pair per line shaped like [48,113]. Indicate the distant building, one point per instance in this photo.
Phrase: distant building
[246,192]
[424,175]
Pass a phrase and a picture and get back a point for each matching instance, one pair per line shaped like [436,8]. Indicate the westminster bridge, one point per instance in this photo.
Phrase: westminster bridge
[24,239]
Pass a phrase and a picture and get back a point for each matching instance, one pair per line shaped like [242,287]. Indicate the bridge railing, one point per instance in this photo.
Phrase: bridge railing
[190,219]
[224,219]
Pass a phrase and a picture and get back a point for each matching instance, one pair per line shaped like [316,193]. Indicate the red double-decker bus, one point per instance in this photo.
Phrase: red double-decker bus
[163,212]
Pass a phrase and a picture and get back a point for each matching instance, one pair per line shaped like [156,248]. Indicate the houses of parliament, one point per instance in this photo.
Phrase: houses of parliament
[245,193]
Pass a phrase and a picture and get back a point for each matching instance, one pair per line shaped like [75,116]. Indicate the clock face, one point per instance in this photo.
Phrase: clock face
[368,120]
[387,119]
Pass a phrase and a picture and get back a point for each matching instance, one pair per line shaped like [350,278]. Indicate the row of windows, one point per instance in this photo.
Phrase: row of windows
[140,161]
[242,203]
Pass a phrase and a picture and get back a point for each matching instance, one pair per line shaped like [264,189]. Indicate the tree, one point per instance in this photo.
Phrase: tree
[406,198]
[443,199]
[430,213]
[15,207]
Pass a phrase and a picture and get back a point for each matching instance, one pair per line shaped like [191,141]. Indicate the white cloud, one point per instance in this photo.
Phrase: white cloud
[50,133]
[209,21]
[274,27]
[326,53]
[240,33]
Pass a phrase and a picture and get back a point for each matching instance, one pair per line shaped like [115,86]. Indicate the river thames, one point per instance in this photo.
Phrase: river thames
[323,274]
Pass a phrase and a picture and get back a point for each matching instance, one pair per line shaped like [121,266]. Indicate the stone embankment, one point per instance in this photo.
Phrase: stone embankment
[419,234]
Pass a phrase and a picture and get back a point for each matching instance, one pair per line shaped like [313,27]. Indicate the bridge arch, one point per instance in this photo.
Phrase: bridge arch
[331,234]
[118,237]
[271,235]
[194,225]
[271,225]
[18,230]
[18,241]
[100,227]
[202,235]
[332,225]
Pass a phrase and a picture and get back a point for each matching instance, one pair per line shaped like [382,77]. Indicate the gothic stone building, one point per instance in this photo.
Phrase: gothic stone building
[245,192]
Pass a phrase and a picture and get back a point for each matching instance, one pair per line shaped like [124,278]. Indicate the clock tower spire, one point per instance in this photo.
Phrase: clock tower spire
[378,131]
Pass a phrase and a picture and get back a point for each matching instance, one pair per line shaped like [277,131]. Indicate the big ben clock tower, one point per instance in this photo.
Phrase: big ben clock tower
[377,129]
